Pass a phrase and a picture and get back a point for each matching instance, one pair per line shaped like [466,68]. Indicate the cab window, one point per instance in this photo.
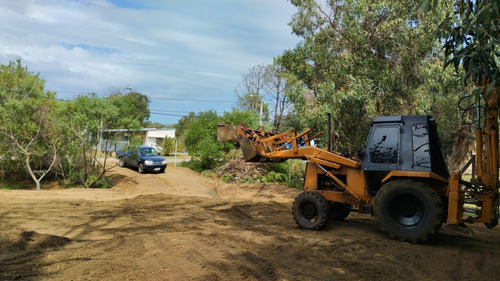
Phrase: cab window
[384,145]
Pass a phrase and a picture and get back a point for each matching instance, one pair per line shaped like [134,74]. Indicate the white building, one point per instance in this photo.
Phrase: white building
[154,137]
[149,136]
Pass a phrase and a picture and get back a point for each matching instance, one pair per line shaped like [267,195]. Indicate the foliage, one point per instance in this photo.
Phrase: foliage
[361,59]
[200,137]
[28,131]
[86,117]
[471,36]
[290,172]
[156,125]
[273,176]
[41,136]
[183,124]
[294,171]
[132,108]
[167,145]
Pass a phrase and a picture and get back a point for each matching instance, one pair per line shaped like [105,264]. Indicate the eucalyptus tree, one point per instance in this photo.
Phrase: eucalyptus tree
[471,35]
[363,58]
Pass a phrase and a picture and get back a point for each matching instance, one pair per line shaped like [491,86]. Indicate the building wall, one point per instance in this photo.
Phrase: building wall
[155,136]
[150,137]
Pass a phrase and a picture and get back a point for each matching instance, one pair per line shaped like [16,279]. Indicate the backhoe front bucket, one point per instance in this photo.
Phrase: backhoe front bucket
[226,132]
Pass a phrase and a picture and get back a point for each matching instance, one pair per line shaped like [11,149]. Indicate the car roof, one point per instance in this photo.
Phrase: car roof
[145,146]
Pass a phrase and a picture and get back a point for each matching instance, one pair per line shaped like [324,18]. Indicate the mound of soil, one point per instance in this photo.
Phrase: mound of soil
[238,168]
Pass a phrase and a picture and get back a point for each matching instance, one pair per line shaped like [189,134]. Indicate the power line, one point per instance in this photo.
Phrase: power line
[169,111]
[225,101]
[71,92]
[151,97]
[166,114]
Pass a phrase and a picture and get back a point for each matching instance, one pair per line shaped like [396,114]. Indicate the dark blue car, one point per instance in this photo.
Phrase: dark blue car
[144,158]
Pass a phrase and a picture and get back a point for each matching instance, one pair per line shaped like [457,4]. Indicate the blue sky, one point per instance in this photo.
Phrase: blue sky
[186,55]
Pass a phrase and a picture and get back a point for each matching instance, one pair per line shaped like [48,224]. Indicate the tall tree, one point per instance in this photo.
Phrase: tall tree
[264,92]
[360,59]
[277,86]
[132,107]
[27,129]
[471,36]
[251,94]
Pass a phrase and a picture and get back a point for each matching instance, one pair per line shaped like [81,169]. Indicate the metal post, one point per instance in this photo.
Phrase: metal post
[175,155]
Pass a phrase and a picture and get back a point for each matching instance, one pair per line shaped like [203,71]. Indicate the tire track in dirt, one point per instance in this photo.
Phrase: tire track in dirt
[181,226]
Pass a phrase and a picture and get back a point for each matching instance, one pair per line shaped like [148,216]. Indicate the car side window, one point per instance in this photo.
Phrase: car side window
[148,152]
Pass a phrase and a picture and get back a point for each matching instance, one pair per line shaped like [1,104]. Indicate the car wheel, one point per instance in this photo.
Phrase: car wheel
[140,168]
[121,162]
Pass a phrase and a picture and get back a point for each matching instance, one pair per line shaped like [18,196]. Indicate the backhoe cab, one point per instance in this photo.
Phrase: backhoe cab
[400,177]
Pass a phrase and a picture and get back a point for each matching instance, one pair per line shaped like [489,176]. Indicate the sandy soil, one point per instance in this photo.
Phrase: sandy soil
[181,226]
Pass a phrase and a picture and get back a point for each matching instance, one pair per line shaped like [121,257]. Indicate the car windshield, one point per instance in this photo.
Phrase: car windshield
[149,151]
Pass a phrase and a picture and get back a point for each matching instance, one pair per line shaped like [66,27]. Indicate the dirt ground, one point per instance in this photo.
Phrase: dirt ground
[181,226]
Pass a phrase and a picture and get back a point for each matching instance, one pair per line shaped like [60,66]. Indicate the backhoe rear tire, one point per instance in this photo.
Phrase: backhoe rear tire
[409,210]
[310,210]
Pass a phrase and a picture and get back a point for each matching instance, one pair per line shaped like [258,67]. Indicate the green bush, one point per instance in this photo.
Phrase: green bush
[273,176]
[167,145]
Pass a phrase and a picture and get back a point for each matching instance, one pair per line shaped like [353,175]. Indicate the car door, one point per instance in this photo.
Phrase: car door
[132,157]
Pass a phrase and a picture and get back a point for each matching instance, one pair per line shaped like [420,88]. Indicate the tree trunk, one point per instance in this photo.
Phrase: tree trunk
[462,148]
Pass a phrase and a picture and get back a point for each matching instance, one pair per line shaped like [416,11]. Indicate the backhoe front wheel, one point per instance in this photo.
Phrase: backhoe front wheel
[409,210]
[310,210]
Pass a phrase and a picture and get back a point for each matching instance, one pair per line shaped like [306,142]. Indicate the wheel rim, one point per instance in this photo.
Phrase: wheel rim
[407,210]
[309,211]
[141,169]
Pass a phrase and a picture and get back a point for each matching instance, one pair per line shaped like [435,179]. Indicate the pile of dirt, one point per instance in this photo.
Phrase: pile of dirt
[239,169]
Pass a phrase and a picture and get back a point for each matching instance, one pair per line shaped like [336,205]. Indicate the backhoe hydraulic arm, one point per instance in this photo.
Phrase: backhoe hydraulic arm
[261,146]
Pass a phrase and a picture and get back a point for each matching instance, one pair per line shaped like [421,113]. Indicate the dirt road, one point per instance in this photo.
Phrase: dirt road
[181,226]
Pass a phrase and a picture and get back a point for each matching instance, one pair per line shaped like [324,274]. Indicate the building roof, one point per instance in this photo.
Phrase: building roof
[137,130]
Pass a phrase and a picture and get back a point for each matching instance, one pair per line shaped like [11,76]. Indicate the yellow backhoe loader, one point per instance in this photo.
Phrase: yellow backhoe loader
[400,176]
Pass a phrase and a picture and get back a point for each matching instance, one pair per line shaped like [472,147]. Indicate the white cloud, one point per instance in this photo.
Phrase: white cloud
[165,49]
